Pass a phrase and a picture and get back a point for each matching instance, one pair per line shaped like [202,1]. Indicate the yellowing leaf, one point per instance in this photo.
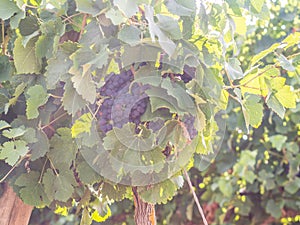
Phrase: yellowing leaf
[98,218]
[277,83]
[113,67]
[286,97]
[61,210]
[81,125]
[240,24]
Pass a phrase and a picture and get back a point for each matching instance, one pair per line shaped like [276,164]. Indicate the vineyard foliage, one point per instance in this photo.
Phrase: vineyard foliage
[97,97]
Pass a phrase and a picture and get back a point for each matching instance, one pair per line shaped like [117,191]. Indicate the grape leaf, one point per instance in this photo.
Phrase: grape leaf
[72,101]
[41,147]
[91,7]
[4,125]
[166,43]
[87,174]
[286,97]
[62,148]
[115,16]
[83,83]
[234,69]
[8,9]
[274,208]
[225,187]
[36,96]
[276,106]
[115,192]
[278,141]
[181,7]
[25,58]
[184,100]
[257,4]
[169,25]
[5,68]
[18,91]
[82,124]
[56,70]
[11,151]
[59,186]
[252,110]
[130,35]
[158,193]
[32,191]
[14,132]
[129,7]
[285,63]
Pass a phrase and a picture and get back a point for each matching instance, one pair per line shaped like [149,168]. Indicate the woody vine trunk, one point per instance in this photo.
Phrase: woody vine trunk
[144,213]
[12,210]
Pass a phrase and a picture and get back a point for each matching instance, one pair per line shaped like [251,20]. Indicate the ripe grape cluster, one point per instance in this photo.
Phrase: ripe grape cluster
[124,100]
[189,121]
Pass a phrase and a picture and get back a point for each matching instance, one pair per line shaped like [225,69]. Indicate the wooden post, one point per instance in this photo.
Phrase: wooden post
[144,213]
[12,210]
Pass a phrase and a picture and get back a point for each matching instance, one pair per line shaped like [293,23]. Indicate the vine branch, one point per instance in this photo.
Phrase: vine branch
[195,197]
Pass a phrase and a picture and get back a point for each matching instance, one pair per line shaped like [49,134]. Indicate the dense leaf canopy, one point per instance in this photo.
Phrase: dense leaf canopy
[242,59]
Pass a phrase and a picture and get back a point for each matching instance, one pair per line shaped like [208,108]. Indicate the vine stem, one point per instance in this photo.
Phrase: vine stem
[13,168]
[195,197]
[3,37]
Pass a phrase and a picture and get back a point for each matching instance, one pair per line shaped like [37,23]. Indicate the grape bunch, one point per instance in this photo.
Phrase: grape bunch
[129,105]
[109,91]
[123,101]
[126,101]
[189,121]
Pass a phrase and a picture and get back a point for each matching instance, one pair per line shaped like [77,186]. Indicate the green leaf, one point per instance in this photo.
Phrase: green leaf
[18,91]
[72,101]
[28,25]
[14,132]
[257,4]
[55,69]
[225,187]
[115,16]
[253,110]
[130,35]
[276,106]
[167,44]
[11,151]
[285,63]
[4,125]
[181,7]
[83,83]
[286,97]
[91,7]
[292,186]
[234,69]
[169,25]
[8,9]
[32,191]
[86,218]
[36,96]
[114,192]
[87,174]
[278,141]
[62,148]
[5,68]
[264,53]
[82,124]
[25,58]
[158,193]
[41,147]
[59,186]
[274,208]
[128,7]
